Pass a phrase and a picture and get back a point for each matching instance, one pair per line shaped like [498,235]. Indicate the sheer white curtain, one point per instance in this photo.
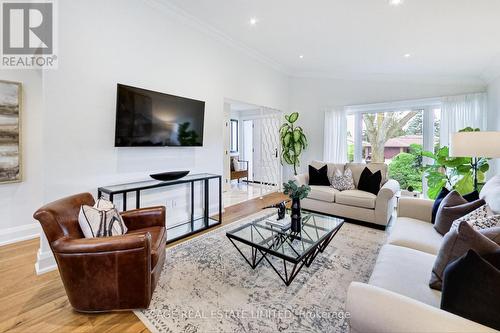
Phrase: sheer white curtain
[458,112]
[335,136]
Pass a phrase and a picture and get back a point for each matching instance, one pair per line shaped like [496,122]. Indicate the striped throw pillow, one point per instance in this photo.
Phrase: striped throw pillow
[101,220]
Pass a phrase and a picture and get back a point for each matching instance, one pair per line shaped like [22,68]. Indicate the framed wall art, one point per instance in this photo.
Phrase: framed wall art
[10,132]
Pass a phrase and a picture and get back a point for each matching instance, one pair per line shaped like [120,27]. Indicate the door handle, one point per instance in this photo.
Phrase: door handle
[276,152]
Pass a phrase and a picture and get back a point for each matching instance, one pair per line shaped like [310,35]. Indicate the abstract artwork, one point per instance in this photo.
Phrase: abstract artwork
[10,132]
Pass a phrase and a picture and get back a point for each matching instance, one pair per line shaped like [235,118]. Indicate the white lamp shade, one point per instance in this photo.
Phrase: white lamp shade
[475,144]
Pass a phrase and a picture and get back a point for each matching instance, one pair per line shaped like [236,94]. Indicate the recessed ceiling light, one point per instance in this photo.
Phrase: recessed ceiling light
[253,21]
[407,55]
[301,56]
[395,2]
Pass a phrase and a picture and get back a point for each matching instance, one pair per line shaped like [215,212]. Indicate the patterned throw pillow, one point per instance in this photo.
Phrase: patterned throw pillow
[101,220]
[342,182]
[480,218]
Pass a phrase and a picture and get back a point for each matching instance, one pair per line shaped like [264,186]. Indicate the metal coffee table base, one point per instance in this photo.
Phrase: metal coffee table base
[279,239]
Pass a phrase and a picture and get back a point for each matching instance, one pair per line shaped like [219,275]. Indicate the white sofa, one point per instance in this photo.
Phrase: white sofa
[352,204]
[397,297]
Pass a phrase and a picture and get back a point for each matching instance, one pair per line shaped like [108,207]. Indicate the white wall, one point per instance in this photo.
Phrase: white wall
[494,113]
[132,43]
[143,44]
[311,97]
[18,200]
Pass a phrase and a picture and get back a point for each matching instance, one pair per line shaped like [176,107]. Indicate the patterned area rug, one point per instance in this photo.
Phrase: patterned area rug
[206,286]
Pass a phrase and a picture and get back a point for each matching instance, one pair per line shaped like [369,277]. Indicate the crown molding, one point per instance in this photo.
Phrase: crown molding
[386,77]
[395,105]
[171,9]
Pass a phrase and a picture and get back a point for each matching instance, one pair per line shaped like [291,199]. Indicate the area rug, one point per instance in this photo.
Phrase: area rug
[206,286]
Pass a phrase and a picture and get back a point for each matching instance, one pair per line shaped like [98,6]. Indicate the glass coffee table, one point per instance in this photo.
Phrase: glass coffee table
[298,249]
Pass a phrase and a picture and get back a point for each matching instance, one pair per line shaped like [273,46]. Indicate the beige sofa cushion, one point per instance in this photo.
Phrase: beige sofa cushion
[406,272]
[331,167]
[415,234]
[356,198]
[323,193]
[357,169]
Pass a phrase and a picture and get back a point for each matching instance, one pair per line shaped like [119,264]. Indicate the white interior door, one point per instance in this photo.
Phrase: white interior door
[256,152]
[248,145]
[266,163]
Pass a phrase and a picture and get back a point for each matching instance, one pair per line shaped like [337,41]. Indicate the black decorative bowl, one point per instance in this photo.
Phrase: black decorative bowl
[172,175]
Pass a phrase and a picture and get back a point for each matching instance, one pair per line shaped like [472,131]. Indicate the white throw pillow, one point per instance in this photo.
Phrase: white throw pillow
[342,182]
[101,220]
[236,165]
[481,218]
[491,194]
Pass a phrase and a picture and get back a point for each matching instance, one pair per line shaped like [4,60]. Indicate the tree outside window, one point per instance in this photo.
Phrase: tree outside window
[396,138]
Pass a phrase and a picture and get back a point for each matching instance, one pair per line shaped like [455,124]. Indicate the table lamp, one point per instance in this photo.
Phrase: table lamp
[475,145]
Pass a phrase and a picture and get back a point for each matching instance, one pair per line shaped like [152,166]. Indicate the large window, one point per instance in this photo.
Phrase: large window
[351,136]
[396,137]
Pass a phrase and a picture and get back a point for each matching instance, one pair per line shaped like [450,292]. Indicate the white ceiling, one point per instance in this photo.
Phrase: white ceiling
[361,38]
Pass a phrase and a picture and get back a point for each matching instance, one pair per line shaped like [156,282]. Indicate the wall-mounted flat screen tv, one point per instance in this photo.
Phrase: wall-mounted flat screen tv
[147,118]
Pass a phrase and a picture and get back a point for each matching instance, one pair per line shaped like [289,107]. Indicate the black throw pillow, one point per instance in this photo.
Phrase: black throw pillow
[471,289]
[370,182]
[435,207]
[473,196]
[319,176]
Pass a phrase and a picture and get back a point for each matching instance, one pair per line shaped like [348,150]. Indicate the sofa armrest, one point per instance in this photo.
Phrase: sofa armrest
[420,209]
[385,202]
[99,245]
[373,309]
[144,217]
[302,179]
[388,190]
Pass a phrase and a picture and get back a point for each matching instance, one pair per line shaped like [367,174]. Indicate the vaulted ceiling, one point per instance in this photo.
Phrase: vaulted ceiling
[353,38]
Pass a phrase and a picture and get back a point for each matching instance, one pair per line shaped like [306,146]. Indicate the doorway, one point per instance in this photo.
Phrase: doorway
[252,166]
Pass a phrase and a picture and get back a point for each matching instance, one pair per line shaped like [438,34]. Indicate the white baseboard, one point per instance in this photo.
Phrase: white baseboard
[45,262]
[18,234]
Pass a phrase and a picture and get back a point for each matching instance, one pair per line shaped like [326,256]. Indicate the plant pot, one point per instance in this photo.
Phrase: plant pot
[296,219]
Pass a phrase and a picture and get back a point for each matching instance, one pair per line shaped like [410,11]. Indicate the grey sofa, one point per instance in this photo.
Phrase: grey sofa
[352,204]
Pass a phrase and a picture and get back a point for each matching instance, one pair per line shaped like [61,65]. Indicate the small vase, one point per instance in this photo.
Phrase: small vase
[296,224]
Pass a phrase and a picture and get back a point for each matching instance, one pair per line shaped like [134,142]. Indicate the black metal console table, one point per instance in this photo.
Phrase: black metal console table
[196,225]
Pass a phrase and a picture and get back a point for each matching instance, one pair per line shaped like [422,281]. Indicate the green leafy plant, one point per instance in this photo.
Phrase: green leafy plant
[294,191]
[453,172]
[293,141]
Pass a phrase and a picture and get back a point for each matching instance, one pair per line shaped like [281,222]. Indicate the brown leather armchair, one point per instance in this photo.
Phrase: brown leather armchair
[107,273]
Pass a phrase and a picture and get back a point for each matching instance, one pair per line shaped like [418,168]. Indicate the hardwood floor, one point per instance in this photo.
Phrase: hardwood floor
[31,303]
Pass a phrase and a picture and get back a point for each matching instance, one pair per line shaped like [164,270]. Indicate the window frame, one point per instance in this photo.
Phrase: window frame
[231,138]
[427,105]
